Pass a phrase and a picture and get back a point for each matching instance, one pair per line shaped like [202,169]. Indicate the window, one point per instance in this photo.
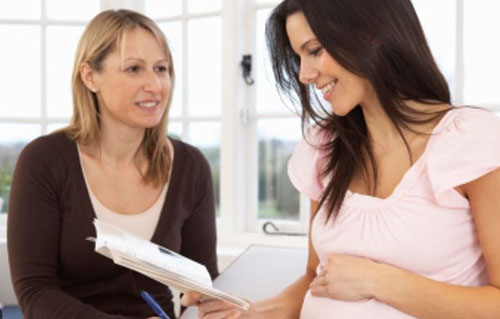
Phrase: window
[246,131]
[195,114]
[480,53]
[35,88]
[273,131]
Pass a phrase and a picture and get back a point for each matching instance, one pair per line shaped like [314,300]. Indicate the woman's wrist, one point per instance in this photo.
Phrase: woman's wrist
[272,308]
[385,277]
[381,276]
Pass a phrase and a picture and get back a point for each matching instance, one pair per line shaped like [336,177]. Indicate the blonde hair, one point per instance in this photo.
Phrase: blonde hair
[102,35]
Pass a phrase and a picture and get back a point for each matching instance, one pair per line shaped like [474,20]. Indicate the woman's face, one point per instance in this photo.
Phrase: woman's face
[133,86]
[341,88]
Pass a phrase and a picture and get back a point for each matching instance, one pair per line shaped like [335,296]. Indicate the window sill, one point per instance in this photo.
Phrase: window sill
[240,241]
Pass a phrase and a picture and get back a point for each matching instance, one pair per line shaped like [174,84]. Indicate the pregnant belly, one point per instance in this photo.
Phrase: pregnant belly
[327,308]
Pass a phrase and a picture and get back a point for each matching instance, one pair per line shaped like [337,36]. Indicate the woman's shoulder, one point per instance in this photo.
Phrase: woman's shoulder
[465,130]
[317,135]
[49,146]
[466,146]
[187,154]
[467,119]
[48,157]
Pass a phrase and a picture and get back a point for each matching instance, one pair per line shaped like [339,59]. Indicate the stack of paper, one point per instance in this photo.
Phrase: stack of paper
[156,262]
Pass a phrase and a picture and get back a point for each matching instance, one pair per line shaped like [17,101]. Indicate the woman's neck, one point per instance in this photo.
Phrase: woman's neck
[117,145]
[384,133]
[380,128]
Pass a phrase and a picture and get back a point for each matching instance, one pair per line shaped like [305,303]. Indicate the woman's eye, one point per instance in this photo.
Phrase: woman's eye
[161,69]
[315,52]
[132,69]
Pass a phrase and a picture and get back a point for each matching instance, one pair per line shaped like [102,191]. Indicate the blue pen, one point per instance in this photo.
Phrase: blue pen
[154,305]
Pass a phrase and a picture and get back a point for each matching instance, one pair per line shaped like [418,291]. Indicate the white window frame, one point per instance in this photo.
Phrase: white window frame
[43,120]
[248,119]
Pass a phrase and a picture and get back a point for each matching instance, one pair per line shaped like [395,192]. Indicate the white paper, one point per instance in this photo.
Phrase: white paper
[156,262]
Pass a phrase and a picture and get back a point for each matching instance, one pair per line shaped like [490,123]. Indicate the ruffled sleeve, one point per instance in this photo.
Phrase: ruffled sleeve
[466,147]
[305,165]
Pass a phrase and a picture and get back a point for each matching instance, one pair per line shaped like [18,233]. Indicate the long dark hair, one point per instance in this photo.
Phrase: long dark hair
[380,40]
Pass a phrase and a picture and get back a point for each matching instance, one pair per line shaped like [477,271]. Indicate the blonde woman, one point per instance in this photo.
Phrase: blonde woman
[114,162]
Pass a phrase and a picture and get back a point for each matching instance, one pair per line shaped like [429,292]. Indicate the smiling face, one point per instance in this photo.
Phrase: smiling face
[134,85]
[341,88]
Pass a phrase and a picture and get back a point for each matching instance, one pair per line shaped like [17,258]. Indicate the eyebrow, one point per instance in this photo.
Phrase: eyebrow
[142,60]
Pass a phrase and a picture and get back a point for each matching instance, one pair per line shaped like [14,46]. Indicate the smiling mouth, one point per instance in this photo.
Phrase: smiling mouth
[328,88]
[147,105]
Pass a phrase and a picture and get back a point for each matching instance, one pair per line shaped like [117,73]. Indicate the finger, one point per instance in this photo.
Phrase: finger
[322,273]
[319,291]
[318,281]
[224,314]
[191,298]
[214,305]
[236,314]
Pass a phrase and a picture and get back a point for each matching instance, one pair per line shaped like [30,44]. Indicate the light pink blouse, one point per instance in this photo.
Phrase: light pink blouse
[425,226]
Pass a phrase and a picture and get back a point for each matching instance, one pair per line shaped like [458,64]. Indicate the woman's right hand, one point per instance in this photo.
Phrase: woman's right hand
[214,308]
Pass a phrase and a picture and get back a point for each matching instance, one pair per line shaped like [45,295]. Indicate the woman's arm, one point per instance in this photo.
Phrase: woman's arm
[354,278]
[199,237]
[33,239]
[285,305]
[427,298]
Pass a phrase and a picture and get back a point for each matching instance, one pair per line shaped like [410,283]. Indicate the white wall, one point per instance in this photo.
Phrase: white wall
[6,293]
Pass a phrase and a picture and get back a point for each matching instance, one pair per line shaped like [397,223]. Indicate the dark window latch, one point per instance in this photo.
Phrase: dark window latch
[246,66]
[276,231]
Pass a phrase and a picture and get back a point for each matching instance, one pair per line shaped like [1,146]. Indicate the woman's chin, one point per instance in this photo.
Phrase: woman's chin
[341,110]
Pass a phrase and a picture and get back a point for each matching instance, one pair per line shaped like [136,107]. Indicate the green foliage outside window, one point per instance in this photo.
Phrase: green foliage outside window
[6,169]
[8,157]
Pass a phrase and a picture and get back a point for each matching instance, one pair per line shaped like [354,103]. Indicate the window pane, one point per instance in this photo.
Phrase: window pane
[13,137]
[175,130]
[162,9]
[438,19]
[173,32]
[20,80]
[72,10]
[197,6]
[60,58]
[55,126]
[204,66]
[268,99]
[481,52]
[20,9]
[206,136]
[278,199]
[267,2]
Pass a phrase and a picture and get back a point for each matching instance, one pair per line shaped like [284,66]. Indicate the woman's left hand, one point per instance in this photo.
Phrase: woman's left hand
[347,278]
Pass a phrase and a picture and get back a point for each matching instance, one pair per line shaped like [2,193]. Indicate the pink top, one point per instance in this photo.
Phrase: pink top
[425,226]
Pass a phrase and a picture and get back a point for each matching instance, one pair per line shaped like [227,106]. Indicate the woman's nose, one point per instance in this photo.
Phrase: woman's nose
[307,74]
[152,82]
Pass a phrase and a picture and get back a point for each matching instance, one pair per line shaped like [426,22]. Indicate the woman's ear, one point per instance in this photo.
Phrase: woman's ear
[88,76]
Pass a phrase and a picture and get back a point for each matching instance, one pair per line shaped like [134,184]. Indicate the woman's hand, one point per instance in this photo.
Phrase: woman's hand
[347,278]
[214,308]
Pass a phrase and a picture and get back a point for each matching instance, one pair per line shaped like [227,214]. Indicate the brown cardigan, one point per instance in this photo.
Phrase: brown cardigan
[56,273]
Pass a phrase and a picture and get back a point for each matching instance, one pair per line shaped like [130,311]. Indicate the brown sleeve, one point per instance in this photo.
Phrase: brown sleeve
[199,237]
[33,237]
